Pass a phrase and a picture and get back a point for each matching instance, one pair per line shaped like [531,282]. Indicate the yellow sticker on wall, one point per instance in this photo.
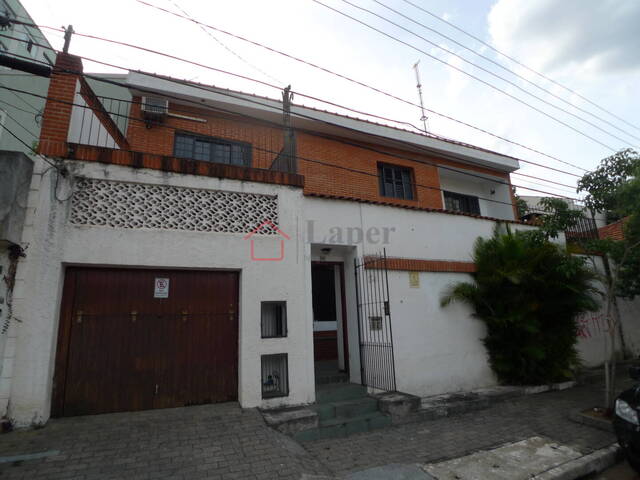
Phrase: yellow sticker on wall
[414,279]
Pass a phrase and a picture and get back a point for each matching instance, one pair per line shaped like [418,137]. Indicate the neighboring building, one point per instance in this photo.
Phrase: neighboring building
[211,248]
[19,112]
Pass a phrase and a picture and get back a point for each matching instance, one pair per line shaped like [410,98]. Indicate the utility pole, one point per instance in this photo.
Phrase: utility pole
[67,38]
[289,135]
[423,118]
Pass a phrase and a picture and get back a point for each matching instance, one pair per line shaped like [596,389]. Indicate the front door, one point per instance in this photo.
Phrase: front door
[329,317]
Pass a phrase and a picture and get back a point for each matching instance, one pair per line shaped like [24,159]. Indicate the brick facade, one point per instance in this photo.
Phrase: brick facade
[420,265]
[331,167]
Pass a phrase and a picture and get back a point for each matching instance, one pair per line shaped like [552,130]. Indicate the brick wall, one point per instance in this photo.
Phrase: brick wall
[319,179]
[158,140]
[345,181]
[57,115]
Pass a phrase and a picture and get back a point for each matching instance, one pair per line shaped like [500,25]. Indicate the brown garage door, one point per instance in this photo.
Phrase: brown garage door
[143,339]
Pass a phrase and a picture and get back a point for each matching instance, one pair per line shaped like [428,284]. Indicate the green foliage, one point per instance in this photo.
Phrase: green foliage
[615,186]
[603,183]
[559,216]
[528,292]
[521,206]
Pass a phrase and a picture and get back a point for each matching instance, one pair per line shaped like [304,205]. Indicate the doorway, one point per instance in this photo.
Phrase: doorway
[330,339]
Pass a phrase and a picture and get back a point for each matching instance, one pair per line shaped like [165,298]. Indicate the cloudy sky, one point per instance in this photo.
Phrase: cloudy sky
[589,46]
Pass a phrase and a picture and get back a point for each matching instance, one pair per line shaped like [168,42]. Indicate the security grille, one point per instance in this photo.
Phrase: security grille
[275,375]
[374,323]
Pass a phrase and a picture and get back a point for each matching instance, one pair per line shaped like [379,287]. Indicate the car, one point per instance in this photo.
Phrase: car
[626,422]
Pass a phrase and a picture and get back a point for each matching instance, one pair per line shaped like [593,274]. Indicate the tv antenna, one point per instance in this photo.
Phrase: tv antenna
[424,119]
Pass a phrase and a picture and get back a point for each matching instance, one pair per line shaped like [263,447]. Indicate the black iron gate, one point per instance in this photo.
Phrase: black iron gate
[377,366]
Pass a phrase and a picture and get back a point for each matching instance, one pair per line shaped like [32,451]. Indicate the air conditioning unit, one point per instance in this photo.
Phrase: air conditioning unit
[155,108]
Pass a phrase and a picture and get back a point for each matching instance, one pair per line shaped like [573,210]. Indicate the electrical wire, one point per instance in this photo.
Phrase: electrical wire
[16,121]
[365,85]
[4,127]
[303,158]
[488,45]
[259,81]
[470,75]
[219,42]
[498,64]
[277,125]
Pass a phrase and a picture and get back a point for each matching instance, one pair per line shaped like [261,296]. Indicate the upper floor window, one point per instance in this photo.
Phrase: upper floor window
[459,202]
[210,149]
[396,182]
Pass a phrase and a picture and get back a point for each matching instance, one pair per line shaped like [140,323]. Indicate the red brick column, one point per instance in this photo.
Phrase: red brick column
[57,114]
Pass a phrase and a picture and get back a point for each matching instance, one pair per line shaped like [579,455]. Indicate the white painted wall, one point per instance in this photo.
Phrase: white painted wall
[53,243]
[436,349]
[7,339]
[593,327]
[494,196]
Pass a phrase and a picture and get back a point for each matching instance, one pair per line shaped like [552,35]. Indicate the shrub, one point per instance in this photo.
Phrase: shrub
[528,292]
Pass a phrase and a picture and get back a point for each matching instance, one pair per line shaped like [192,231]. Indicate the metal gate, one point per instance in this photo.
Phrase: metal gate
[377,366]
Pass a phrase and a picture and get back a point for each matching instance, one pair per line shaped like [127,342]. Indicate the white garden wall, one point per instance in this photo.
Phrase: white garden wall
[54,243]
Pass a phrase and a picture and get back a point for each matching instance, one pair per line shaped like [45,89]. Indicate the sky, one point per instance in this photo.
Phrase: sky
[589,46]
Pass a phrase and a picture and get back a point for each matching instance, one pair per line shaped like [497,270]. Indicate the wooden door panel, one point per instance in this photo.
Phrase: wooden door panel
[124,350]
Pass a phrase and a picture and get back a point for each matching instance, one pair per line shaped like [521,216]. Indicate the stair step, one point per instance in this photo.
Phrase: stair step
[337,392]
[346,408]
[343,427]
[333,378]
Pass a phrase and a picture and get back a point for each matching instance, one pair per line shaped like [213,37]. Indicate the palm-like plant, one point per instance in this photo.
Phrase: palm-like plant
[528,293]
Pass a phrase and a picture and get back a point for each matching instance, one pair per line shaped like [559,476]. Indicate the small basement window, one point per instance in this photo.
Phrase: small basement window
[275,375]
[211,149]
[273,319]
[396,182]
[459,202]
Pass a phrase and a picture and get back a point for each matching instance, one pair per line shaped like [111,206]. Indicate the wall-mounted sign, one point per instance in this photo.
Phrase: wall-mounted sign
[414,279]
[161,288]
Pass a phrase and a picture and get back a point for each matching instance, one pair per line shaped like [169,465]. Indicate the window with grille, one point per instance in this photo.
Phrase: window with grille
[210,149]
[461,203]
[396,182]
[274,319]
[275,375]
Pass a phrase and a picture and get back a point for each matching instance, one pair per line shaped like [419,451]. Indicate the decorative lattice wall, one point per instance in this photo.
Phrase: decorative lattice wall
[134,205]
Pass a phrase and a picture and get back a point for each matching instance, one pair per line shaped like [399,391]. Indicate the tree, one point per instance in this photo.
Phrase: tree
[559,217]
[615,187]
[528,292]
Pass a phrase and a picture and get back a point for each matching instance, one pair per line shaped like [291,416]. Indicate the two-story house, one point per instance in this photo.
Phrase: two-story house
[195,245]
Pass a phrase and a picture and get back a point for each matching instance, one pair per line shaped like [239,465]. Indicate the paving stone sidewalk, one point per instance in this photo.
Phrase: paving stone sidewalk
[210,441]
[544,414]
[225,442]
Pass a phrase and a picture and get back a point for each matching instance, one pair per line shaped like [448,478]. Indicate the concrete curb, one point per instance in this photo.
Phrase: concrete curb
[594,462]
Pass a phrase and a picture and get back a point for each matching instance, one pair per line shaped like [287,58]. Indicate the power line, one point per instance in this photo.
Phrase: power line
[306,159]
[490,85]
[4,127]
[16,121]
[198,64]
[17,108]
[207,32]
[265,83]
[35,110]
[370,87]
[499,65]
[206,107]
[550,181]
[519,63]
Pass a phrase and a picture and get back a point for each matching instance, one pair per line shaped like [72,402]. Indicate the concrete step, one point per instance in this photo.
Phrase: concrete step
[327,378]
[346,408]
[342,427]
[338,392]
